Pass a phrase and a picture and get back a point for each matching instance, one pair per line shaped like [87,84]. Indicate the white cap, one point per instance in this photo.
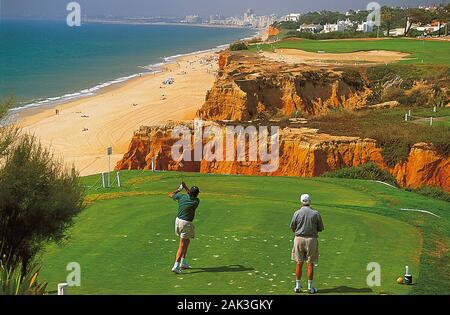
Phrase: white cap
[305,199]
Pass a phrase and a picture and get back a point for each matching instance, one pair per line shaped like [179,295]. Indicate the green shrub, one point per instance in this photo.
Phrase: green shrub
[368,171]
[39,199]
[388,128]
[433,192]
[330,35]
[14,282]
[407,73]
[353,78]
[238,46]
[393,94]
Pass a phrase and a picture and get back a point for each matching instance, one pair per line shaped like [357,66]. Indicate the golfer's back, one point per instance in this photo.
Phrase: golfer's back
[186,206]
[307,222]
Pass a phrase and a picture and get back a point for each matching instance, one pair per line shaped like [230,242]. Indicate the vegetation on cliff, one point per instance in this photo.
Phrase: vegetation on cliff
[238,46]
[368,171]
[433,192]
[389,128]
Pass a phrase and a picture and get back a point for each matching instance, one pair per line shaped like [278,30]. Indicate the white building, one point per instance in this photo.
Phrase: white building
[429,28]
[397,32]
[366,27]
[311,28]
[328,28]
[193,19]
[293,17]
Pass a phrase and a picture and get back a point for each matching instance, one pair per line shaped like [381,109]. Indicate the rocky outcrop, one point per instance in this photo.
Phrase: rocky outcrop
[250,90]
[303,152]
[424,167]
[249,87]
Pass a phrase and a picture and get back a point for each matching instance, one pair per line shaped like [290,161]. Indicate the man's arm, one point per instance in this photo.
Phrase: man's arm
[179,189]
[172,194]
[320,227]
[294,223]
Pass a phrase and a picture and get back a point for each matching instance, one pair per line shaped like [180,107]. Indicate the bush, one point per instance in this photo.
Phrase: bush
[330,35]
[393,94]
[407,74]
[238,46]
[388,128]
[353,78]
[13,282]
[368,171]
[39,198]
[433,192]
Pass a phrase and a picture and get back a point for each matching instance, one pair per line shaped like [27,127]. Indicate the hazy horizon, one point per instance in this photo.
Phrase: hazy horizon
[151,8]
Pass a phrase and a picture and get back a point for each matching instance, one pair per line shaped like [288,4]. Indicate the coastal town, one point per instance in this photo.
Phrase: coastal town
[348,21]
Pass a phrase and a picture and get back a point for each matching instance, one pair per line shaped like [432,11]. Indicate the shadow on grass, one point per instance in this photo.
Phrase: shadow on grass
[229,268]
[345,289]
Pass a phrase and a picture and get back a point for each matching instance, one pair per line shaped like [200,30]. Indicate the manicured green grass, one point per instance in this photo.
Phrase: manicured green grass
[441,116]
[125,241]
[422,51]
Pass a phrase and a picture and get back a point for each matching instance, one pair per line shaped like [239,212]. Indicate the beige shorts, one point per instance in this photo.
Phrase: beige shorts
[184,229]
[305,249]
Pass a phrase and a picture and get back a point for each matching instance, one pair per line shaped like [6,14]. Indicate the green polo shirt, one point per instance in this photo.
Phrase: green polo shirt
[186,206]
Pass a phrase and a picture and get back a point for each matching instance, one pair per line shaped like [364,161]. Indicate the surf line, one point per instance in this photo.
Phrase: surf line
[422,211]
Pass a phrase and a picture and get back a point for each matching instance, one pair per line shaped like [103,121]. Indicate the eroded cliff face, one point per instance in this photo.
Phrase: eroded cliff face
[424,167]
[249,86]
[303,152]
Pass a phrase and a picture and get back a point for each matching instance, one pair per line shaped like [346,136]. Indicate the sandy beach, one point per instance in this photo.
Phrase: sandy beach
[84,128]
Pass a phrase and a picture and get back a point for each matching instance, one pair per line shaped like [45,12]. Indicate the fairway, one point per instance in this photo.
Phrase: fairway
[124,240]
[422,51]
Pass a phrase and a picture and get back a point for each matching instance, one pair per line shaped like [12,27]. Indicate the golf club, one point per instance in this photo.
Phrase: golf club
[181,167]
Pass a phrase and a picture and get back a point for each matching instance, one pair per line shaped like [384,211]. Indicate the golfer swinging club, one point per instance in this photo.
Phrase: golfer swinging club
[184,228]
[306,223]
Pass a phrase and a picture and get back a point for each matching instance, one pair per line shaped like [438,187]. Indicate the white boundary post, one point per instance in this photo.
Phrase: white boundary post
[103,180]
[62,288]
[109,153]
[406,117]
[118,178]
[431,121]
[153,164]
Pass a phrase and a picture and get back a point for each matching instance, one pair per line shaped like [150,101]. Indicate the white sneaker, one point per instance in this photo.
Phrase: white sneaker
[298,290]
[176,270]
[312,290]
[185,265]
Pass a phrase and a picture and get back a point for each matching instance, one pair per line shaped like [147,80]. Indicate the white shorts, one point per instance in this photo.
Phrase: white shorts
[184,229]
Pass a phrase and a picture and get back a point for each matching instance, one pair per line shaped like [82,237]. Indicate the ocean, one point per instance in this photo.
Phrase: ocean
[43,62]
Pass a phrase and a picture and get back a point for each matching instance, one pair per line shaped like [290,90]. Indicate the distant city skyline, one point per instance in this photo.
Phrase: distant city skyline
[151,8]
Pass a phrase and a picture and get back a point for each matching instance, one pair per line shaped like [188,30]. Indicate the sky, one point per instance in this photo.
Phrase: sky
[142,8]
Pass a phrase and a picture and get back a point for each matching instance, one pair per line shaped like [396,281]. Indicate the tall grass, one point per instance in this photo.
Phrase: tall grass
[368,171]
[14,282]
[395,136]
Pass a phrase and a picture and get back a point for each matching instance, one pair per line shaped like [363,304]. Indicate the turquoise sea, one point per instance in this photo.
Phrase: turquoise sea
[46,61]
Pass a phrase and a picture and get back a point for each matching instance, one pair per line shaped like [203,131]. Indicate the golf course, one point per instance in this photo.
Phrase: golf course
[421,51]
[125,242]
